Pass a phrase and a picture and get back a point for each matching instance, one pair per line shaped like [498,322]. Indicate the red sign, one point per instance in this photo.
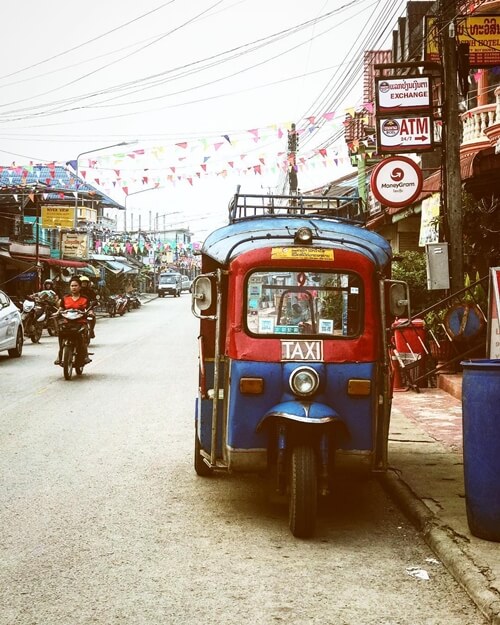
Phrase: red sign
[405,134]
[396,181]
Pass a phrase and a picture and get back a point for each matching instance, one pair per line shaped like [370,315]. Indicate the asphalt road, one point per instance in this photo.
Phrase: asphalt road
[103,520]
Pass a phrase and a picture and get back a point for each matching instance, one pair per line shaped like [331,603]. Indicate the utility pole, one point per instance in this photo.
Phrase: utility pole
[292,160]
[451,143]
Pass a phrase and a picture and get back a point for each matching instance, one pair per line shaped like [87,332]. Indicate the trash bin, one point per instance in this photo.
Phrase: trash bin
[481,444]
[411,338]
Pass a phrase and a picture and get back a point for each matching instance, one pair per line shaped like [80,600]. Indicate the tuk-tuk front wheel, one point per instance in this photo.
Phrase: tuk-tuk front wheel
[302,488]
[200,466]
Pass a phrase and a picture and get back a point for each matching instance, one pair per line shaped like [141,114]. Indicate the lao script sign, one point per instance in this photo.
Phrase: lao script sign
[408,93]
[302,350]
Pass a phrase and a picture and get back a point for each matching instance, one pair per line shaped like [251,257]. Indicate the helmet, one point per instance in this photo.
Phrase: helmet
[48,282]
[84,279]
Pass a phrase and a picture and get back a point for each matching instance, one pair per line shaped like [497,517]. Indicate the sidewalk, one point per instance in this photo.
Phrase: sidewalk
[426,478]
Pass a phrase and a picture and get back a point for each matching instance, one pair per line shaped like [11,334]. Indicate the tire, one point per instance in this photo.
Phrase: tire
[51,330]
[68,361]
[37,333]
[201,468]
[16,351]
[303,498]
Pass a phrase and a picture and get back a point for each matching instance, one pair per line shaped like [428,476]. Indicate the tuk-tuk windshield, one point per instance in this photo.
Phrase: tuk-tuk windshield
[298,302]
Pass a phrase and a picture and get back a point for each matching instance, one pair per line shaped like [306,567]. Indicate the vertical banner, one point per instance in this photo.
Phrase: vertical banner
[493,346]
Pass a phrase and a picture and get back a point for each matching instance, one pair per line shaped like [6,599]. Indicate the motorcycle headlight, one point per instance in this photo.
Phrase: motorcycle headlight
[304,381]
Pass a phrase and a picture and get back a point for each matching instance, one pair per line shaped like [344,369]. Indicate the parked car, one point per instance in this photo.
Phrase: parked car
[11,327]
[169,284]
[185,284]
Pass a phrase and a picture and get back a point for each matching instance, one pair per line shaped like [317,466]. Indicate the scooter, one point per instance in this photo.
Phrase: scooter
[33,317]
[75,336]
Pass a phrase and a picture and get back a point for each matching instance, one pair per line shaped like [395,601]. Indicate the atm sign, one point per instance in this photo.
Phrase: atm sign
[405,134]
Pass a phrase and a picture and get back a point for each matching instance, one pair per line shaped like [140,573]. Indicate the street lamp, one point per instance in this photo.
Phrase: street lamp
[126,198]
[105,147]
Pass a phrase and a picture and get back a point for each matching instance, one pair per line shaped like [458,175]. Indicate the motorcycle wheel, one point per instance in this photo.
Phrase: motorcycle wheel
[37,333]
[51,331]
[68,361]
[303,499]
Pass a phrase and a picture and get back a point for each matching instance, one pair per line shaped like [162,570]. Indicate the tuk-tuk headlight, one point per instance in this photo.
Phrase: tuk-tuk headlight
[304,381]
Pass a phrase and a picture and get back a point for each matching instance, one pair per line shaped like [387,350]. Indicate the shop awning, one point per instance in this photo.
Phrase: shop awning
[62,262]
[17,262]
[117,267]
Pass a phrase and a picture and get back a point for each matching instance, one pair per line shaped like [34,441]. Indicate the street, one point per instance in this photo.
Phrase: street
[103,519]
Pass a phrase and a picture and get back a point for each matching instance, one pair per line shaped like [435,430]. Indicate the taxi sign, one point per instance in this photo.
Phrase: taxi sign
[396,181]
[405,134]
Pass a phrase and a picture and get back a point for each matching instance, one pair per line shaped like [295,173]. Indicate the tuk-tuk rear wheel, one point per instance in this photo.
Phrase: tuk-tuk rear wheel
[303,497]
[201,468]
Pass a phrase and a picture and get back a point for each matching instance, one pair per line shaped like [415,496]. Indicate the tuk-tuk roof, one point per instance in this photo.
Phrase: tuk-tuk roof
[278,230]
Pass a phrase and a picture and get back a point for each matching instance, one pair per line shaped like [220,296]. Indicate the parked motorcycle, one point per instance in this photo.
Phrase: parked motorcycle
[75,336]
[121,304]
[33,316]
[133,301]
[50,323]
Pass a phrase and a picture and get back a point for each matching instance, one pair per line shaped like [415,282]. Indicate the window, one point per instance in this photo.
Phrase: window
[324,303]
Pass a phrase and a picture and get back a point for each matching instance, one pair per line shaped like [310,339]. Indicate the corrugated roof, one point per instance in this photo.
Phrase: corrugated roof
[56,181]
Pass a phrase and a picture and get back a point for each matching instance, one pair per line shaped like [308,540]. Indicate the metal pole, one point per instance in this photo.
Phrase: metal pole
[105,147]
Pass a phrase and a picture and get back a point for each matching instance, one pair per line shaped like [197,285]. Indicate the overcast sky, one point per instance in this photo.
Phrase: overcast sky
[205,90]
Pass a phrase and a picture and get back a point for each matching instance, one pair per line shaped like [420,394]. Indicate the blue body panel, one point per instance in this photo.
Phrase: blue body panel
[244,411]
[248,234]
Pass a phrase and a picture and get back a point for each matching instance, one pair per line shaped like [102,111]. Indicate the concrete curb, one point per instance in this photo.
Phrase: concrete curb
[441,539]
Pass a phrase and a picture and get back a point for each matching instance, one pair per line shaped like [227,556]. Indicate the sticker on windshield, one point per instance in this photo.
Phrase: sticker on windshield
[303,253]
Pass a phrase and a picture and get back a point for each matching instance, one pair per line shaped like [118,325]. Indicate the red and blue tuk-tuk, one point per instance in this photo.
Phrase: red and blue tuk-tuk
[295,305]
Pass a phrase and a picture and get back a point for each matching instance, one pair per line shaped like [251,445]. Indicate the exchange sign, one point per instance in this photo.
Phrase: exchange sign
[396,181]
[408,93]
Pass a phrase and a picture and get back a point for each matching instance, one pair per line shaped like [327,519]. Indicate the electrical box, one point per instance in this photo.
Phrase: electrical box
[438,272]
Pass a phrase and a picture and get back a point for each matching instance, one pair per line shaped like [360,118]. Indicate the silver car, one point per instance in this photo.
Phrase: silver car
[11,327]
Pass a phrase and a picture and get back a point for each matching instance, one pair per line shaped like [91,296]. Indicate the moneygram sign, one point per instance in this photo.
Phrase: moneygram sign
[396,181]
[395,94]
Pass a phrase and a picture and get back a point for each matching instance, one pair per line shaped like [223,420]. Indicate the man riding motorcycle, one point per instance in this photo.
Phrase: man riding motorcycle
[47,294]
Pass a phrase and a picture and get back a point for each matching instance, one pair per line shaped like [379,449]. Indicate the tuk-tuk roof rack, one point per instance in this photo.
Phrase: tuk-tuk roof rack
[344,208]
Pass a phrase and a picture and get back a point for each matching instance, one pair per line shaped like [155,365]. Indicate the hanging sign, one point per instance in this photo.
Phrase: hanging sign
[396,181]
[406,92]
[405,134]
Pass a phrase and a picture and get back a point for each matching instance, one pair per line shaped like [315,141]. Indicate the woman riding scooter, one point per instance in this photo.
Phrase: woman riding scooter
[74,300]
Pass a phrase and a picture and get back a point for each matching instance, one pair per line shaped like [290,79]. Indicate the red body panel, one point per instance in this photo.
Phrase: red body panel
[241,346]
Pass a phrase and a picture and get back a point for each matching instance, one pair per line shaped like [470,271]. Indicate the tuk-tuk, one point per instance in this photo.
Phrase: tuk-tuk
[295,306]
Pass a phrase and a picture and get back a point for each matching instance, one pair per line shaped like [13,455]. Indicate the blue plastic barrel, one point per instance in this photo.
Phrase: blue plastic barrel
[481,438]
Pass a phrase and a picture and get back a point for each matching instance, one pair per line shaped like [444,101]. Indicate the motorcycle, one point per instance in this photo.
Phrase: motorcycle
[50,322]
[121,304]
[33,317]
[133,301]
[75,336]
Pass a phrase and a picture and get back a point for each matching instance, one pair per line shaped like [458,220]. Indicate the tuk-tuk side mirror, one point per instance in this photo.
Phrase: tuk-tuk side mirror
[202,293]
[399,299]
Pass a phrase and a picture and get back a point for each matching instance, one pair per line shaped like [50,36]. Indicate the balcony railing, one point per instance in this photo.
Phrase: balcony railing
[477,120]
